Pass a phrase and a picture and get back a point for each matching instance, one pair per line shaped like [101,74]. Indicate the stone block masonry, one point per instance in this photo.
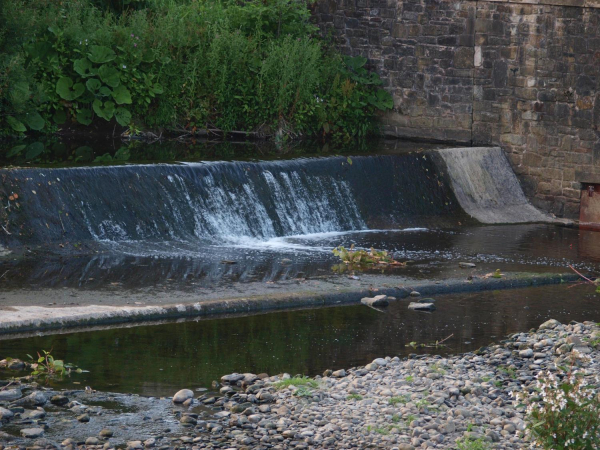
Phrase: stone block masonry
[524,75]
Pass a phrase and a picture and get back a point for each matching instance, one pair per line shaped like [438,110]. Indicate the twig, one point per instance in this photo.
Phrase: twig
[581,275]
[5,387]
[61,223]
[5,230]
[445,339]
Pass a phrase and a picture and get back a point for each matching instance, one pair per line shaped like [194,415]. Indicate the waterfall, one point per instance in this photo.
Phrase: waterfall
[224,201]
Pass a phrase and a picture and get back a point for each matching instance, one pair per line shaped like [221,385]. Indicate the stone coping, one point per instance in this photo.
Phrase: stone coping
[21,319]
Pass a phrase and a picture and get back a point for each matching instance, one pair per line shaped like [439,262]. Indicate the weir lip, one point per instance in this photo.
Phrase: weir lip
[31,318]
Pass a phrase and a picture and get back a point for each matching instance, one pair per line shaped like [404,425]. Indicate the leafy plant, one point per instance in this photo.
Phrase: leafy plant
[253,66]
[466,443]
[354,397]
[566,413]
[363,257]
[401,399]
[46,365]
[296,381]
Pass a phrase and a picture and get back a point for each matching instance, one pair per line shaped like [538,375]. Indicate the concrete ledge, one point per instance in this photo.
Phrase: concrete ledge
[18,319]
[574,3]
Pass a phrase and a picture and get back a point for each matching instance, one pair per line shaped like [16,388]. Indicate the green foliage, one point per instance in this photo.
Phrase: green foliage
[404,399]
[45,366]
[354,397]
[566,413]
[363,257]
[251,66]
[466,443]
[296,381]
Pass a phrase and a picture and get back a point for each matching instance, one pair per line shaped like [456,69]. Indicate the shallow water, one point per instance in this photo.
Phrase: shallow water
[160,359]
[188,265]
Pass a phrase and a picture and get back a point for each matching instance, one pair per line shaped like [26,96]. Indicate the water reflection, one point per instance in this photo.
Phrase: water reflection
[157,360]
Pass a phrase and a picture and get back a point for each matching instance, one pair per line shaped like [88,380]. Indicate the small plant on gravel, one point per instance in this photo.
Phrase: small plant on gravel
[354,397]
[304,392]
[508,371]
[410,379]
[566,414]
[396,418]
[400,399]
[470,444]
[296,381]
[46,365]
[364,257]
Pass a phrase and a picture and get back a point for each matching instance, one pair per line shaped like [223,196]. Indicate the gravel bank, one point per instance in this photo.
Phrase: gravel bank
[421,402]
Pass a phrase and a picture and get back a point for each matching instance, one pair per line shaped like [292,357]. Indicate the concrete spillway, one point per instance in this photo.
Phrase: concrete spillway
[487,188]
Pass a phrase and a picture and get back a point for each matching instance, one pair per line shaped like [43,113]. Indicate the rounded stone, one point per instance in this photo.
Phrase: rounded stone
[181,396]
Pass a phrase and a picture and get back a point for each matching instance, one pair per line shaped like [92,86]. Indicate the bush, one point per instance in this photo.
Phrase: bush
[566,414]
[252,66]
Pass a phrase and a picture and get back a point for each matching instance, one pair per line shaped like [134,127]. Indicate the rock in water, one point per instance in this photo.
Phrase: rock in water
[466,265]
[10,394]
[421,306]
[378,300]
[32,433]
[183,395]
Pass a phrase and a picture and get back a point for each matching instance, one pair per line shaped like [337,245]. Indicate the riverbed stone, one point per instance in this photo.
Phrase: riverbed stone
[106,433]
[378,300]
[10,394]
[421,306]
[32,433]
[183,395]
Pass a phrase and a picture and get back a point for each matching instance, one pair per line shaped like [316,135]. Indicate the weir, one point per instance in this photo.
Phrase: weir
[238,202]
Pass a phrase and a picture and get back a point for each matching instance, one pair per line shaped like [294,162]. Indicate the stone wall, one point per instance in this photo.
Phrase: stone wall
[521,74]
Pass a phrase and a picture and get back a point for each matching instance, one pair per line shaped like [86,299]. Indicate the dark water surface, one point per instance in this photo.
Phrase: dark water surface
[160,359]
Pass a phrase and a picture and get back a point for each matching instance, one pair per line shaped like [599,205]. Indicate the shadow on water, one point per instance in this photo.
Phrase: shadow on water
[159,359]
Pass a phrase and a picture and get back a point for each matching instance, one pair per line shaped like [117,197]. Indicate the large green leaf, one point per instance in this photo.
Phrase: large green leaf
[382,100]
[105,91]
[123,153]
[100,54]
[157,89]
[19,92]
[83,67]
[16,124]
[67,90]
[121,95]
[16,150]
[35,121]
[93,84]
[109,75]
[60,116]
[34,150]
[84,117]
[356,62]
[84,153]
[105,110]
[123,116]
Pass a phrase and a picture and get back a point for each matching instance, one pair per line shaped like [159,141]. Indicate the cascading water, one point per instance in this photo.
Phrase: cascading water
[225,201]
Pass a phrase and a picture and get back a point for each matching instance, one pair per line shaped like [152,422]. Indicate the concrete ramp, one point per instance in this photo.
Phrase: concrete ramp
[486,186]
